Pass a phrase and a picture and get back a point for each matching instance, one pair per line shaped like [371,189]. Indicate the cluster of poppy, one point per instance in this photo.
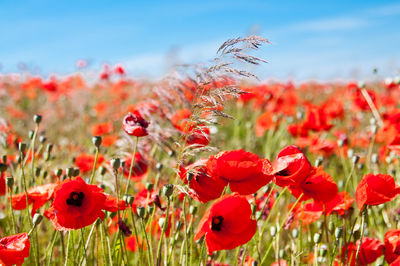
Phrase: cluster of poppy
[230,221]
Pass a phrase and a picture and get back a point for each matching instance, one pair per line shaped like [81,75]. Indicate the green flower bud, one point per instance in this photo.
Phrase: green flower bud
[37,119]
[317,238]
[96,140]
[115,163]
[168,189]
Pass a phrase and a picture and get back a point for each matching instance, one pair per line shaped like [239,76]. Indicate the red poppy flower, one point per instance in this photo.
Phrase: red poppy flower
[14,249]
[145,198]
[394,145]
[280,263]
[308,213]
[203,186]
[85,162]
[264,122]
[135,125]
[198,135]
[375,190]
[76,205]
[139,167]
[227,224]
[316,119]
[291,166]
[392,245]
[319,185]
[245,172]
[37,195]
[339,204]
[102,129]
[371,249]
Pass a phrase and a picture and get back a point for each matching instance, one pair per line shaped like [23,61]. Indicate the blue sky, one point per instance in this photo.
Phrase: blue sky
[310,39]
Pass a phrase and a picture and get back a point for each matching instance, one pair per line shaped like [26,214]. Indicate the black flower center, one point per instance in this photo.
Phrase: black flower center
[75,198]
[216,224]
[283,172]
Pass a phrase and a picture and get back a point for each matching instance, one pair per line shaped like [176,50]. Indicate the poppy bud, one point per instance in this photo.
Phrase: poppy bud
[319,161]
[159,166]
[295,233]
[397,80]
[340,142]
[360,166]
[42,139]
[115,163]
[178,225]
[141,212]
[70,172]
[10,181]
[149,186]
[37,119]
[319,224]
[31,134]
[76,172]
[22,147]
[355,159]
[18,159]
[103,170]
[374,129]
[3,167]
[281,253]
[161,222]
[49,147]
[150,209]
[37,171]
[128,199]
[189,176]
[171,153]
[374,158]
[168,189]
[272,231]
[317,238]
[350,153]
[45,173]
[331,226]
[193,210]
[372,121]
[4,158]
[37,218]
[58,172]
[338,232]
[47,156]
[96,140]
[323,250]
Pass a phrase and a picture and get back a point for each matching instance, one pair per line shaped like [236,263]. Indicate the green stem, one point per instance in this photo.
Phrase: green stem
[131,166]
[94,166]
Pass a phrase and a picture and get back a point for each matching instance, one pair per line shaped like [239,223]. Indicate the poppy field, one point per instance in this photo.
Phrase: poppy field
[206,166]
